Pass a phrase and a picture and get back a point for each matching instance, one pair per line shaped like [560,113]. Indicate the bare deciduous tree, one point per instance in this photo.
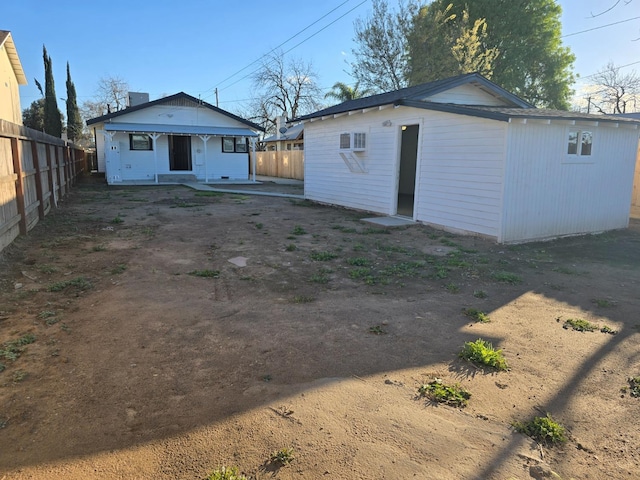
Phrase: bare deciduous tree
[617,92]
[111,96]
[284,88]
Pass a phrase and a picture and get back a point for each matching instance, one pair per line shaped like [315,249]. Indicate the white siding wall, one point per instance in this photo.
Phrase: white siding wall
[546,195]
[327,177]
[9,95]
[466,95]
[171,115]
[139,164]
[461,173]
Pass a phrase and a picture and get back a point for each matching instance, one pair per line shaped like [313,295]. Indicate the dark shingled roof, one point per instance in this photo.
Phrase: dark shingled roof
[418,93]
[417,97]
[169,99]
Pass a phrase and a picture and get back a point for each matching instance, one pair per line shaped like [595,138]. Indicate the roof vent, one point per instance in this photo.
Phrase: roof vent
[137,98]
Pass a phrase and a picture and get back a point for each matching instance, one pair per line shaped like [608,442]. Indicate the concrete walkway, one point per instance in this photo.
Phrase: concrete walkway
[202,187]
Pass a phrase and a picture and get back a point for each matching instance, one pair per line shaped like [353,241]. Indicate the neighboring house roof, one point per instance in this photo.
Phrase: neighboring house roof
[293,133]
[628,115]
[421,93]
[169,99]
[418,97]
[179,129]
[7,42]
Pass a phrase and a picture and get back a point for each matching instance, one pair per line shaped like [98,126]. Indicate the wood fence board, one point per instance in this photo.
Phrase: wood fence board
[281,164]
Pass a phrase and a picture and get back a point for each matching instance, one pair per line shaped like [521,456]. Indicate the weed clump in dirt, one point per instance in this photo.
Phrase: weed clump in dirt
[322,256]
[226,473]
[284,456]
[506,277]
[477,315]
[453,395]
[579,325]
[13,349]
[634,387]
[482,353]
[80,283]
[205,273]
[544,430]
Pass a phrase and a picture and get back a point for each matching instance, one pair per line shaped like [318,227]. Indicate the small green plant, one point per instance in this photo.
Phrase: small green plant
[284,456]
[579,325]
[98,248]
[543,430]
[608,330]
[452,288]
[634,387]
[322,256]
[477,315]
[375,231]
[359,261]
[344,229]
[303,299]
[448,243]
[319,277]
[453,395]
[46,314]
[298,230]
[19,375]
[48,269]
[291,247]
[80,283]
[603,303]
[506,277]
[377,330]
[259,226]
[225,473]
[441,272]
[205,273]
[565,270]
[117,220]
[118,269]
[482,353]
[13,349]
[480,294]
[208,194]
[358,247]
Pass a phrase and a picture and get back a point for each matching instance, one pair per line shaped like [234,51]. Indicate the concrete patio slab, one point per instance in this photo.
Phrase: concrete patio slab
[389,221]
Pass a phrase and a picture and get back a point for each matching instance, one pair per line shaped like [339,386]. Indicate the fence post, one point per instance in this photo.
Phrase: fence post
[54,202]
[36,164]
[17,169]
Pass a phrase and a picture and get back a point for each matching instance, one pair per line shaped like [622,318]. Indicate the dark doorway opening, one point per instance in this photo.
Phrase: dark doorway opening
[407,174]
[179,152]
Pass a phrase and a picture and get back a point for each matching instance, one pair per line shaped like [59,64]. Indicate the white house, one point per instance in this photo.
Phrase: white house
[465,155]
[288,139]
[11,76]
[175,138]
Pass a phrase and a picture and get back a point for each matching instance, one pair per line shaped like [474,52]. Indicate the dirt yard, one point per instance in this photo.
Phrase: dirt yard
[133,348]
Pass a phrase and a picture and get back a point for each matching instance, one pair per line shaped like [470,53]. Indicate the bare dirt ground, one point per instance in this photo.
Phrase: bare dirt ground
[153,356]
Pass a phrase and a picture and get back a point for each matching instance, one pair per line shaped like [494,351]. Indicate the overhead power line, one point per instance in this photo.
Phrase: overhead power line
[598,28]
[280,45]
[303,41]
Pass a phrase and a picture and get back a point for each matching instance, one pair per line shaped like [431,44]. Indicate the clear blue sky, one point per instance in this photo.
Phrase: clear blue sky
[163,47]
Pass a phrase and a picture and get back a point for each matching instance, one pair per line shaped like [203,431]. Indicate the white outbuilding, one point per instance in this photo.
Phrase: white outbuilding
[175,138]
[467,156]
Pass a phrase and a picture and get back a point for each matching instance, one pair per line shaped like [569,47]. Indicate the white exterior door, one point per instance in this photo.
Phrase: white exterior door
[113,170]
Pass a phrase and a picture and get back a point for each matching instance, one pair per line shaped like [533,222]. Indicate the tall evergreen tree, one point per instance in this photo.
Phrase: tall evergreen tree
[74,121]
[52,120]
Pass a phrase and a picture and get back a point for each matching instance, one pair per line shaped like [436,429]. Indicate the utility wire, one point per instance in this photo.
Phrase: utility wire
[303,41]
[277,47]
[597,28]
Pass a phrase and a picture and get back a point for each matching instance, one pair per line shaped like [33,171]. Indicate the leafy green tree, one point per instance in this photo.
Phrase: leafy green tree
[52,120]
[381,39]
[33,116]
[532,63]
[443,44]
[74,121]
[343,92]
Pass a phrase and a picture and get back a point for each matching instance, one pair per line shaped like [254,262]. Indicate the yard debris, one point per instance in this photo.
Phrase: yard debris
[239,261]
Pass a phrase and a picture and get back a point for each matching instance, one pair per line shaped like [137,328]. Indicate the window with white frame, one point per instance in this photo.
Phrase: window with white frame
[356,141]
[140,142]
[580,143]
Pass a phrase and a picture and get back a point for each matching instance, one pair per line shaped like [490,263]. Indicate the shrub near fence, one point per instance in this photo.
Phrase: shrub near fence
[282,164]
[36,171]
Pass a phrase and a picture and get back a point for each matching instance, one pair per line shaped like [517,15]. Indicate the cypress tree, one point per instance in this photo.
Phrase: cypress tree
[52,121]
[74,121]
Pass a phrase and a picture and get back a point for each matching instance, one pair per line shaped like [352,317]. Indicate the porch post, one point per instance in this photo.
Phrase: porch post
[205,139]
[253,157]
[154,137]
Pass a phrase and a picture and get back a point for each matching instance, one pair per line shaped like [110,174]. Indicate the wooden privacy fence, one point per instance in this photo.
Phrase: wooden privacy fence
[282,164]
[36,171]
